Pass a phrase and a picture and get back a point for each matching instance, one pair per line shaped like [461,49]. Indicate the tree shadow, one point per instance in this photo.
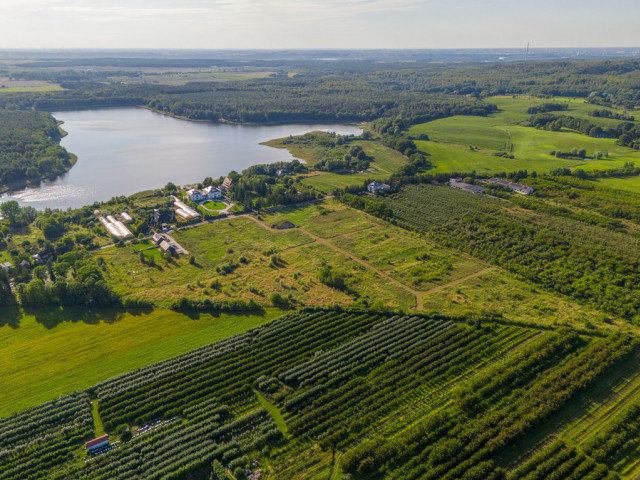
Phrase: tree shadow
[52,317]
[10,316]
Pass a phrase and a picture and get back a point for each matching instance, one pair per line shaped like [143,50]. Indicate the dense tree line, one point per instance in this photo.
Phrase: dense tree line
[627,133]
[29,148]
[78,279]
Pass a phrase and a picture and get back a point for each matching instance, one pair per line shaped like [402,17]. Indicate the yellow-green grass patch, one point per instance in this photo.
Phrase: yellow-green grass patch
[327,219]
[498,291]
[53,352]
[408,258]
[43,88]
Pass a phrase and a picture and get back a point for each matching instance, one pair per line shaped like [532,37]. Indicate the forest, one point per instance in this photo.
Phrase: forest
[29,148]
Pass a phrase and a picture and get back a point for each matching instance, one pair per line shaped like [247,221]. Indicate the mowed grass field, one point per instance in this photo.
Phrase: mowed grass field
[53,352]
[466,143]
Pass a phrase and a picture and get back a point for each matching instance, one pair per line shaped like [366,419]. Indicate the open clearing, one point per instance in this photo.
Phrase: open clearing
[54,352]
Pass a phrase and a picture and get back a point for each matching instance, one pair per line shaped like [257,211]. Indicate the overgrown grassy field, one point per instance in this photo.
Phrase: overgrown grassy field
[53,352]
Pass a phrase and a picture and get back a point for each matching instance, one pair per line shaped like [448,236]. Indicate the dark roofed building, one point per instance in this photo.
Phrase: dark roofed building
[167,247]
[157,238]
[467,187]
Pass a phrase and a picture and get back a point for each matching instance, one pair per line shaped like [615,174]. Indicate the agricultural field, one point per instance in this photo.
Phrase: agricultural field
[322,394]
[574,241]
[467,143]
[52,352]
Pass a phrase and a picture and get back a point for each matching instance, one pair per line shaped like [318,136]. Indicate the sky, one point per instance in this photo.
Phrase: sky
[273,24]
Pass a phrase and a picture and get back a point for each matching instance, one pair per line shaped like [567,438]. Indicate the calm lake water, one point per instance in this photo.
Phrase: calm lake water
[125,150]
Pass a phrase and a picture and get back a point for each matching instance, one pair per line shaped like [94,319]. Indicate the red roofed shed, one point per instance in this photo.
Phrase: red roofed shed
[97,442]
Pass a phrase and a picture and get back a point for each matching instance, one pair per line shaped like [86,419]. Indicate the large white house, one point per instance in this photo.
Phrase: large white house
[211,192]
[194,195]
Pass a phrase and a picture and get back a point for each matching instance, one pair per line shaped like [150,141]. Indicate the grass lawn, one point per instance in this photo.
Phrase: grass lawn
[412,260]
[142,245]
[53,352]
[213,205]
[273,411]
[631,184]
[327,219]
[5,257]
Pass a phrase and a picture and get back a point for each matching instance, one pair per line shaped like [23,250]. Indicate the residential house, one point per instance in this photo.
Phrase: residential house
[157,238]
[194,195]
[516,187]
[373,187]
[167,247]
[467,187]
[212,192]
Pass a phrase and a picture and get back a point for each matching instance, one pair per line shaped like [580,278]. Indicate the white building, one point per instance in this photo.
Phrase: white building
[211,192]
[194,195]
[373,187]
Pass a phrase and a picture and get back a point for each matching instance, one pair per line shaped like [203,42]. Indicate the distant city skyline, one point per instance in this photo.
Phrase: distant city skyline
[308,24]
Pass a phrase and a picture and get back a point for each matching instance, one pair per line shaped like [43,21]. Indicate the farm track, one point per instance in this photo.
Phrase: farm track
[419,296]
[327,242]
[457,281]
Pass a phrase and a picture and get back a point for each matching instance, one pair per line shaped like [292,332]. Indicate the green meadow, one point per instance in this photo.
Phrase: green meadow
[53,351]
[466,143]
[43,88]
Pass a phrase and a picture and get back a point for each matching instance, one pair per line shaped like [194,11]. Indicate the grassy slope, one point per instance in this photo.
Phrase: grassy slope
[54,352]
[451,138]
[385,162]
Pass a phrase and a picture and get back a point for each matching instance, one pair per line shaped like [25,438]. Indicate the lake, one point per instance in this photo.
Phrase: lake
[126,150]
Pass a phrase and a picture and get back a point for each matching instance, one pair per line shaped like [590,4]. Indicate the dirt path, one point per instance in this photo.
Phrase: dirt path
[324,241]
[416,293]
[457,281]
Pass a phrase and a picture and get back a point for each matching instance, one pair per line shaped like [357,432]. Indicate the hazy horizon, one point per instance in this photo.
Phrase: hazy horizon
[315,24]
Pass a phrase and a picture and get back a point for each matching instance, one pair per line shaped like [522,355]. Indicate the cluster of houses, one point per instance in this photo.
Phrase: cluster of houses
[374,187]
[207,193]
[166,244]
[467,187]
[115,227]
[516,187]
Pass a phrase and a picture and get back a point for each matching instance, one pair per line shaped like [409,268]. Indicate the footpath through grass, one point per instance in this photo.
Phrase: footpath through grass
[273,411]
[53,352]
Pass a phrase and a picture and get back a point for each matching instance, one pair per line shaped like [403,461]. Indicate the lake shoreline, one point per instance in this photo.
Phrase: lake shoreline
[123,150]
